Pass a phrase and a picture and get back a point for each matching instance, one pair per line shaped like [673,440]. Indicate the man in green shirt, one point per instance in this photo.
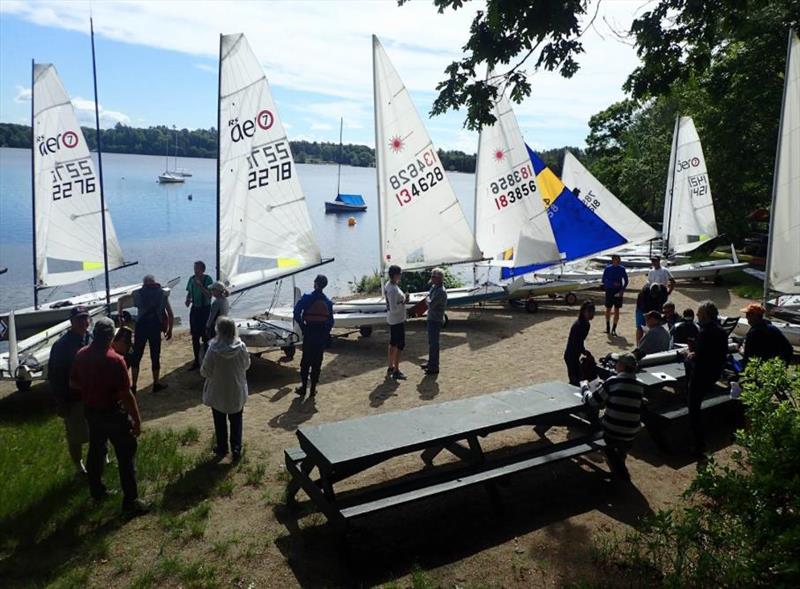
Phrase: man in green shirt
[198,296]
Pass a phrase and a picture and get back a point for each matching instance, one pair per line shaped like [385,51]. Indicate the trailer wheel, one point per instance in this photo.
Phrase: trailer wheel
[365,330]
[23,385]
[288,351]
[571,298]
[531,306]
[718,281]
[446,321]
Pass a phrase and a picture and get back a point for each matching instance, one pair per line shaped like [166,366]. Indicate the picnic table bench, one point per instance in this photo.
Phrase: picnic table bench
[340,450]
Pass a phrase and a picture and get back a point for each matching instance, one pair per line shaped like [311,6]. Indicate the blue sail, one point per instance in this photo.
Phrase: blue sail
[579,232]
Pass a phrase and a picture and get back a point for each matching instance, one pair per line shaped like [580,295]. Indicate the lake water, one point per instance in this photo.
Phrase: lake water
[158,226]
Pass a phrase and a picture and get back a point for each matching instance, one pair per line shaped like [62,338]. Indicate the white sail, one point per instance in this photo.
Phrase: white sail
[421,220]
[783,264]
[603,202]
[511,224]
[689,209]
[263,212]
[69,233]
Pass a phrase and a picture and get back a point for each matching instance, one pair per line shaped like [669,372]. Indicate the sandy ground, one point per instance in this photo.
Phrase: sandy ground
[542,537]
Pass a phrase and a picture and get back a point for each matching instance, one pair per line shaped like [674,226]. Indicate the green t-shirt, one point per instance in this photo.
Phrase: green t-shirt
[198,298]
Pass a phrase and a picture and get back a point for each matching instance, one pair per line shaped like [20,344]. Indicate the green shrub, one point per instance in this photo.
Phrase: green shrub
[409,282]
[739,525]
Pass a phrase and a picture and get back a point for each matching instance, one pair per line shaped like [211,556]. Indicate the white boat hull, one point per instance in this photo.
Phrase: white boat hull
[31,320]
[274,333]
[711,269]
[790,330]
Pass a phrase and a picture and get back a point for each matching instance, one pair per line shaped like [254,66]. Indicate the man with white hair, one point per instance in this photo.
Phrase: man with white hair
[437,303]
[152,305]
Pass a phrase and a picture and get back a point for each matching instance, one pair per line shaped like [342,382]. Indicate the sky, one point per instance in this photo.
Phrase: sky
[157,63]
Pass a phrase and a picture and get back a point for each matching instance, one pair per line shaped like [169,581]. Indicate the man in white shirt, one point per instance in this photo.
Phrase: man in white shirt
[396,301]
[659,275]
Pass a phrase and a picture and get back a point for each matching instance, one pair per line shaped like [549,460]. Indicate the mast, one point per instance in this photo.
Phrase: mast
[475,204]
[672,156]
[339,173]
[768,266]
[33,188]
[219,134]
[100,171]
[377,144]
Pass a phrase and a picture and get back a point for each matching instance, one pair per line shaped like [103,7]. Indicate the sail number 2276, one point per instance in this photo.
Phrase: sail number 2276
[70,178]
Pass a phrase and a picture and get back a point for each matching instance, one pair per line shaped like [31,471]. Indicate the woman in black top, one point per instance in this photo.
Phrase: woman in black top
[575,342]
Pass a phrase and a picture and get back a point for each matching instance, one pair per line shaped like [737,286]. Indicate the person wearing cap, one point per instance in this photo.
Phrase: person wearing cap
[615,281]
[100,374]
[622,396]
[437,303]
[314,314]
[219,308]
[198,297]
[396,301]
[68,400]
[152,305]
[659,275]
[656,339]
[685,330]
[705,361]
[764,340]
[651,298]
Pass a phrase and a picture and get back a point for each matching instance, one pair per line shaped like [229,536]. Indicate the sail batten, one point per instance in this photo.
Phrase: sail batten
[421,221]
[689,218]
[783,256]
[262,206]
[68,218]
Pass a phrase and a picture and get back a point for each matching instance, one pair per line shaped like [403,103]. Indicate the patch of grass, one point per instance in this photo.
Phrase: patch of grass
[189,436]
[368,284]
[194,574]
[744,285]
[421,579]
[225,487]
[222,546]
[254,475]
[73,579]
[189,525]
[144,581]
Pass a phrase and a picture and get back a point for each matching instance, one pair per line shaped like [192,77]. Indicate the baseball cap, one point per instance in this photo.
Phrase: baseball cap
[79,311]
[754,308]
[103,329]
[628,360]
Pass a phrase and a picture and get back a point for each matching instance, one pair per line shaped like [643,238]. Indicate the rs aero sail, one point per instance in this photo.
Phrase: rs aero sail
[264,231]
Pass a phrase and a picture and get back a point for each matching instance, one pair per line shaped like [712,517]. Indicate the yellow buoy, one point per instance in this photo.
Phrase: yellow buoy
[351,221]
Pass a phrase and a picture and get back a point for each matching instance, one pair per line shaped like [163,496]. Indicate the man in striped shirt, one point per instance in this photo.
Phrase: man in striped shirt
[621,395]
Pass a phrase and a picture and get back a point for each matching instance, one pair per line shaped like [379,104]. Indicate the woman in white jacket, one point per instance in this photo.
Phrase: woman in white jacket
[225,391]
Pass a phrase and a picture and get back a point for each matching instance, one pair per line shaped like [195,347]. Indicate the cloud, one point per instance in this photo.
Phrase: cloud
[320,127]
[84,110]
[23,94]
[326,54]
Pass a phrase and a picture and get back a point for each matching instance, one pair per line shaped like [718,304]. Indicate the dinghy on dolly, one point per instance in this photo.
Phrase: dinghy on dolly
[74,237]
[264,232]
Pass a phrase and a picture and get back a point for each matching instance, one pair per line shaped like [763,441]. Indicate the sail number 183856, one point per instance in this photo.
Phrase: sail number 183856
[513,186]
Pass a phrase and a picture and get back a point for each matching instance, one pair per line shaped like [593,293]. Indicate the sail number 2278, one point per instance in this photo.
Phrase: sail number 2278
[268,163]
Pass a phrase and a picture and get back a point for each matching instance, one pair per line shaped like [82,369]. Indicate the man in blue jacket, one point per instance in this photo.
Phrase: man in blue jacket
[314,314]
[615,281]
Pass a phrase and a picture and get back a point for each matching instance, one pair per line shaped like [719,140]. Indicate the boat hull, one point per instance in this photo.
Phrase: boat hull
[338,207]
[790,330]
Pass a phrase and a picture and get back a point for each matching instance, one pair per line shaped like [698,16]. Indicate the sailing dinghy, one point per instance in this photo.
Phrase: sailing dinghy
[782,273]
[344,203]
[421,223]
[68,244]
[264,232]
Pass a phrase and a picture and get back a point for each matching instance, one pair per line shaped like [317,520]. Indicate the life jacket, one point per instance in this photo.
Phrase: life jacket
[317,313]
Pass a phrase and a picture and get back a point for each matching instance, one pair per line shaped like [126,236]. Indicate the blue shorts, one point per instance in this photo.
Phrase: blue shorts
[639,319]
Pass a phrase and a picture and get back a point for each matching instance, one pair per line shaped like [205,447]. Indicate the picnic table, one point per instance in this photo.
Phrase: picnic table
[342,449]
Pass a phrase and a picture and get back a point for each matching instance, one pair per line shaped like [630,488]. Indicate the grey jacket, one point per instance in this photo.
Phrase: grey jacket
[437,302]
